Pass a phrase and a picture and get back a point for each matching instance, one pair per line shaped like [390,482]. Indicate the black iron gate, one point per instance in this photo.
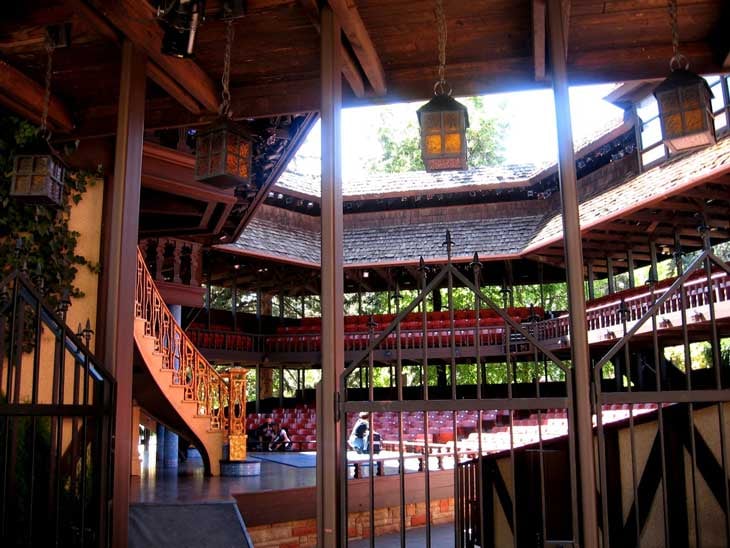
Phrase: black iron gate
[502,386]
[56,413]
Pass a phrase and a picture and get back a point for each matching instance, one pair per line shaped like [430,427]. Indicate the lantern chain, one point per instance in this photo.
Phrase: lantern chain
[225,109]
[441,86]
[50,47]
[678,60]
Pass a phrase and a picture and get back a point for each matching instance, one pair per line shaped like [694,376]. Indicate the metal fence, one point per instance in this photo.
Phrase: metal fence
[494,435]
[56,422]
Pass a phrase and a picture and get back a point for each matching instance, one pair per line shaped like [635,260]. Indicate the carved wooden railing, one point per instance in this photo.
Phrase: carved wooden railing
[202,384]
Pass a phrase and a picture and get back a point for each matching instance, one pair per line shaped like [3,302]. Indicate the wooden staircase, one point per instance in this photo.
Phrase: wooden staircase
[195,390]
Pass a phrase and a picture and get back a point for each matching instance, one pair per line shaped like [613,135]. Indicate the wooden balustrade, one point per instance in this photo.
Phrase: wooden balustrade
[201,382]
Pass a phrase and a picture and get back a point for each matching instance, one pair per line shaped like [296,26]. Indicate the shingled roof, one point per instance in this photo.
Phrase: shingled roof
[382,185]
[389,184]
[502,231]
[639,191]
[390,244]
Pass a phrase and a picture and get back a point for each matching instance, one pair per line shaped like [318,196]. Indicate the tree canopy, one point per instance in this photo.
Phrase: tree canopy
[401,149]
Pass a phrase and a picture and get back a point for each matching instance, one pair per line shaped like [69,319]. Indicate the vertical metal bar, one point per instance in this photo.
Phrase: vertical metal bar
[258,388]
[688,374]
[331,516]
[574,262]
[716,363]
[401,447]
[660,409]
[476,267]
[424,377]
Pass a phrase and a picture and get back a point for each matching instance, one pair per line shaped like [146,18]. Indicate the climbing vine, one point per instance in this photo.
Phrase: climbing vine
[37,238]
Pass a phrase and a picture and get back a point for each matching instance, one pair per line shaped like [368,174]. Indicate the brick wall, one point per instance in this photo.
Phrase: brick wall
[303,533]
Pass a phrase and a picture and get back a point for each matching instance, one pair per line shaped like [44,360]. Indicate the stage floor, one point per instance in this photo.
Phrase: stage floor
[188,484]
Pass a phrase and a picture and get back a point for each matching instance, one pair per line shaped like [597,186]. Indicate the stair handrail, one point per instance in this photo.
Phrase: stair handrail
[202,384]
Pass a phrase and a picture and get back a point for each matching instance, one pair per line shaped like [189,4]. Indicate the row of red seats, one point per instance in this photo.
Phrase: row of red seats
[227,341]
[414,320]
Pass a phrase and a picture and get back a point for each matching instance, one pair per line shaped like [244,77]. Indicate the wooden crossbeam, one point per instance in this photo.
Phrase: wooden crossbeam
[135,19]
[350,69]
[25,96]
[354,28]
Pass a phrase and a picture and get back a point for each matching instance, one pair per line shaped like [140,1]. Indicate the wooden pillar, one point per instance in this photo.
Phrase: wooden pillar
[333,354]
[122,215]
[609,276]
[630,263]
[591,282]
[576,294]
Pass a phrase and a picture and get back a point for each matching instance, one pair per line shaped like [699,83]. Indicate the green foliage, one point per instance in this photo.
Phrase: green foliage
[48,244]
[401,148]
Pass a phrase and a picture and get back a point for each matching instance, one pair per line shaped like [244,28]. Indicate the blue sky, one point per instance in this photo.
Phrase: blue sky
[530,137]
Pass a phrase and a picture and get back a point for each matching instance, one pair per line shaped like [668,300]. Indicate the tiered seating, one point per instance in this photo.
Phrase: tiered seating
[302,427]
[300,423]
[305,336]
[219,337]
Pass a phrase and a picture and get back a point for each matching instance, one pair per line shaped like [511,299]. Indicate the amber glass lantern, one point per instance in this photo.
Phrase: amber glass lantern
[37,178]
[685,111]
[223,155]
[443,121]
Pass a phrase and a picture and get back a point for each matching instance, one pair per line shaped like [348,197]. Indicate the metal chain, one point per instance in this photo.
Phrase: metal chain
[441,86]
[225,109]
[678,60]
[47,95]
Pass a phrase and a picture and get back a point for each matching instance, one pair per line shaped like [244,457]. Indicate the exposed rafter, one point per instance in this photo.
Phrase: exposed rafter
[135,19]
[25,96]
[350,69]
[538,38]
[354,28]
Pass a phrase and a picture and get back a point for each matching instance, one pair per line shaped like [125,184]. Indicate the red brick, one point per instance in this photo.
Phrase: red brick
[418,519]
[303,530]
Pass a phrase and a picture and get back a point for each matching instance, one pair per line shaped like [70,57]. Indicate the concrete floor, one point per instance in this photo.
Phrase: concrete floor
[442,536]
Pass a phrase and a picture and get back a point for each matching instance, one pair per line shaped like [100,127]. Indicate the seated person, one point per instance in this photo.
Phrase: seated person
[264,435]
[281,442]
[359,437]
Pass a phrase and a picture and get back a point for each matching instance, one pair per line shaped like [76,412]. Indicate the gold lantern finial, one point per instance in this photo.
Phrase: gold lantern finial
[684,100]
[443,120]
[223,152]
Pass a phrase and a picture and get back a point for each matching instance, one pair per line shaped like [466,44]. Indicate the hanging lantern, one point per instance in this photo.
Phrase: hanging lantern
[685,101]
[443,120]
[38,176]
[223,151]
[223,155]
[685,111]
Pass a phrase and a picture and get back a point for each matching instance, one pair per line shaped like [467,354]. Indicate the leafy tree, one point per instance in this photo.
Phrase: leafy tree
[401,149]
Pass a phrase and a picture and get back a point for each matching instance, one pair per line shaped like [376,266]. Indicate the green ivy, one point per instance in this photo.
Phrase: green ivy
[48,249]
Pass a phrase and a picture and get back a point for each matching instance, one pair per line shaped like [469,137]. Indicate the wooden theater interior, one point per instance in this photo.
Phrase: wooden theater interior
[526,339]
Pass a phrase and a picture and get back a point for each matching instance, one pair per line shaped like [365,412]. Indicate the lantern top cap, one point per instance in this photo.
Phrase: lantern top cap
[223,123]
[679,78]
[444,103]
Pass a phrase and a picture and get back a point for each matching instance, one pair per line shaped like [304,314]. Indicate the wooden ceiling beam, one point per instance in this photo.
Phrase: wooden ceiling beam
[135,19]
[539,38]
[154,72]
[354,28]
[350,69]
[25,96]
